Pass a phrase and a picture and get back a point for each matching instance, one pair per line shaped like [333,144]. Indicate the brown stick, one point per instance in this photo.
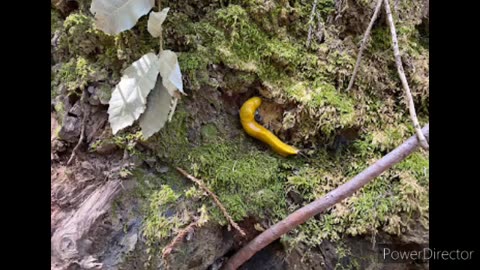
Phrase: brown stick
[82,132]
[303,214]
[215,199]
[364,42]
[403,78]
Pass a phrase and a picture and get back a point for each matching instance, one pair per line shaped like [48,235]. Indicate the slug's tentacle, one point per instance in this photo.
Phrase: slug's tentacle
[247,118]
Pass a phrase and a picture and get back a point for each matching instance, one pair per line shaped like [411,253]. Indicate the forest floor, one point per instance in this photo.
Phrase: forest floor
[120,201]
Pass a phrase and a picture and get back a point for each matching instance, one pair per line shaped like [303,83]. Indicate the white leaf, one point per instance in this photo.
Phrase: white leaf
[155,21]
[130,95]
[158,107]
[115,16]
[170,72]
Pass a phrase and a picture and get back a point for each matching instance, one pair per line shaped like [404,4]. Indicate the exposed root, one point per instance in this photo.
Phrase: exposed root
[82,132]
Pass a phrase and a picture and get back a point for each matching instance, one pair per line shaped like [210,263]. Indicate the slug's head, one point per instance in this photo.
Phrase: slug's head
[255,102]
[248,109]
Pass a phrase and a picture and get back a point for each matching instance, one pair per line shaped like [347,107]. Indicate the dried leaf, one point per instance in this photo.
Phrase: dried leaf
[129,97]
[155,21]
[115,16]
[158,108]
[170,72]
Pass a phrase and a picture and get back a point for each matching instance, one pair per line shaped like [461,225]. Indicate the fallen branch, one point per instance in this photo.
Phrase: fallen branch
[215,199]
[310,28]
[364,42]
[82,132]
[403,78]
[303,214]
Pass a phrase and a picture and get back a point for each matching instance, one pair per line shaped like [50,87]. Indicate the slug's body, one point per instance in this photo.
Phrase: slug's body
[247,118]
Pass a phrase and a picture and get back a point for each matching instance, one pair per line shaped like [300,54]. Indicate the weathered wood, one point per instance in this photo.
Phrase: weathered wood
[68,240]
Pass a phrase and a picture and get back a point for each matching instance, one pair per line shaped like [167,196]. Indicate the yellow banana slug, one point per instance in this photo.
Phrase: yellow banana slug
[254,129]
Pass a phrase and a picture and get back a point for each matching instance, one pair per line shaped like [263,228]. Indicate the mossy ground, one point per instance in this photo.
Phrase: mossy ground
[262,46]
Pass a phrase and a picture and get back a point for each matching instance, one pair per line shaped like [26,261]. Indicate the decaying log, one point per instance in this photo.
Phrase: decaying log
[68,243]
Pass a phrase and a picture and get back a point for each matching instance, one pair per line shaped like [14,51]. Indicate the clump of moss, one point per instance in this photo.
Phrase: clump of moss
[87,56]
[164,209]
[209,133]
[247,181]
[229,36]
[392,202]
[157,223]
[56,21]
[77,73]
[171,142]
[80,37]
[194,68]
[253,182]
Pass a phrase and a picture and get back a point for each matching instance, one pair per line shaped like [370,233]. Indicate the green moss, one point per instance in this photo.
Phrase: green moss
[209,132]
[253,182]
[391,202]
[80,36]
[77,73]
[346,260]
[60,111]
[326,7]
[230,36]
[163,207]
[194,67]
[247,181]
[56,21]
[381,39]
[157,225]
[171,142]
[88,55]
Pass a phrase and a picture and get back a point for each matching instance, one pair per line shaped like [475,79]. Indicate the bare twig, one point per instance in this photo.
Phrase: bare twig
[310,28]
[178,239]
[303,214]
[364,42]
[84,123]
[215,199]
[403,78]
